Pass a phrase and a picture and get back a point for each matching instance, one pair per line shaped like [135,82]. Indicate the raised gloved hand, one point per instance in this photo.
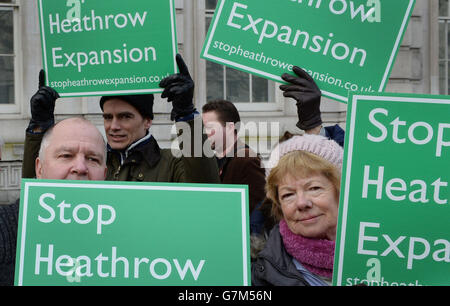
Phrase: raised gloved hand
[305,91]
[42,105]
[179,89]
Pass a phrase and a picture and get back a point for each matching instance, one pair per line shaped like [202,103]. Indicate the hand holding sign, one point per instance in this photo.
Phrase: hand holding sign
[305,91]
[42,105]
[266,37]
[179,89]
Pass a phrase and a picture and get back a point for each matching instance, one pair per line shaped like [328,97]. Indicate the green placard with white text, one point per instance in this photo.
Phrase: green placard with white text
[394,207]
[345,45]
[110,233]
[99,47]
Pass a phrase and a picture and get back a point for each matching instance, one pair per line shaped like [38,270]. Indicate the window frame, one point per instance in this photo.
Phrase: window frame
[16,106]
[445,60]
[200,32]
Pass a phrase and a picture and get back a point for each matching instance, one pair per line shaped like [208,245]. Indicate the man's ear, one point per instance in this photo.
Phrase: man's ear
[148,123]
[38,168]
[230,127]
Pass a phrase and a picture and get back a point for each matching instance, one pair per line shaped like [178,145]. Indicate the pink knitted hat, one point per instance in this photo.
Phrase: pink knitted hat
[315,144]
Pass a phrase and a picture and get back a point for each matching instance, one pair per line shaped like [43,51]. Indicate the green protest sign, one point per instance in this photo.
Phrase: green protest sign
[394,206]
[110,233]
[109,47]
[345,45]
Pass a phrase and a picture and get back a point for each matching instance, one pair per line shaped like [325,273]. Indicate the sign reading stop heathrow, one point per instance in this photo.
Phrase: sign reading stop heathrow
[345,45]
[394,208]
[110,233]
[93,47]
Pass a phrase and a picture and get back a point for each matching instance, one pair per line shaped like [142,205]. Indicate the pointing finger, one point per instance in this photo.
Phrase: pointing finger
[41,78]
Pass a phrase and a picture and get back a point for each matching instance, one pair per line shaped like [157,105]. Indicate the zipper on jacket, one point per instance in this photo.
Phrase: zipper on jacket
[116,174]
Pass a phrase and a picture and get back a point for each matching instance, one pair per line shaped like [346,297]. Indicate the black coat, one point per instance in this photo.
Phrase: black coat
[274,266]
[9,215]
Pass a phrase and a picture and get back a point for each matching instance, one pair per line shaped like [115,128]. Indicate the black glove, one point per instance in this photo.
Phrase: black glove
[42,105]
[305,91]
[179,89]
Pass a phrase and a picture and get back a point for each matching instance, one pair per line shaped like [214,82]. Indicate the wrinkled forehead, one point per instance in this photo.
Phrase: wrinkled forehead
[77,135]
[76,146]
[293,176]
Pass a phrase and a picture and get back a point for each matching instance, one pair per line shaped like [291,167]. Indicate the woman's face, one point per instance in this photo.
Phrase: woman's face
[309,206]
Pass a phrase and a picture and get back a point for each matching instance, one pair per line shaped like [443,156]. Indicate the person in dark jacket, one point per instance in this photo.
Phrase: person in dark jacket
[238,163]
[133,153]
[82,156]
[8,234]
[8,237]
[303,184]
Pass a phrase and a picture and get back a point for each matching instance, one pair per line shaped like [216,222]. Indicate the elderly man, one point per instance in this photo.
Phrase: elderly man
[133,152]
[82,156]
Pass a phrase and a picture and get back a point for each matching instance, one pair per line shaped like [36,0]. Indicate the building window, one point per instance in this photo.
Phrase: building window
[7,52]
[234,85]
[444,39]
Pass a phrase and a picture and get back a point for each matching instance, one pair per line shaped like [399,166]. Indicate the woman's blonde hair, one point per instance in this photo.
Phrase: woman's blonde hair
[299,164]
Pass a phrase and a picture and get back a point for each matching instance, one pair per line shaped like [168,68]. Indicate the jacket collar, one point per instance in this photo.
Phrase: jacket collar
[238,146]
[145,148]
[274,250]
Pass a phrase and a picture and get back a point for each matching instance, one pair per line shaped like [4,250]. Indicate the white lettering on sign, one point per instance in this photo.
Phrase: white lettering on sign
[267,29]
[102,57]
[340,7]
[403,131]
[112,266]
[81,213]
[418,248]
[397,189]
[92,22]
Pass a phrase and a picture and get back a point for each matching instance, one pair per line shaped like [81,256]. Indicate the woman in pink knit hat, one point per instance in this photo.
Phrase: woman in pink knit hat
[303,183]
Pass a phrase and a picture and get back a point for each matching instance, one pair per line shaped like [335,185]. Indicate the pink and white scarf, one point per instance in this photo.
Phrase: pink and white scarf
[316,255]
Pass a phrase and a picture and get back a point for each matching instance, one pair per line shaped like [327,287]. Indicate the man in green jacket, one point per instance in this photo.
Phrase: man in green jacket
[133,153]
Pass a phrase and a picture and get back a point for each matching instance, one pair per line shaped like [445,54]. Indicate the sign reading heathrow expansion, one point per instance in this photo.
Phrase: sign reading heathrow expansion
[110,233]
[345,45]
[394,207]
[95,47]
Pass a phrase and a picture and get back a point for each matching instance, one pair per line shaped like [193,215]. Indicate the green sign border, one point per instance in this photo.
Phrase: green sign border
[347,162]
[29,183]
[113,92]
[277,78]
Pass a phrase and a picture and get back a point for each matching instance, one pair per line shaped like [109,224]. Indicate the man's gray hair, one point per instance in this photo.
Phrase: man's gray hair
[45,142]
[46,139]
